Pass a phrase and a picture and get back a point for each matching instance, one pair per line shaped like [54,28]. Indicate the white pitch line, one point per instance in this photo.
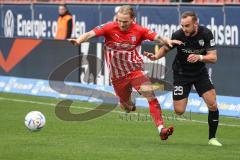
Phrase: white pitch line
[87,108]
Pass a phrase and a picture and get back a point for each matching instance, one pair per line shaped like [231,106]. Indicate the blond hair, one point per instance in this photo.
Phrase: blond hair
[127,10]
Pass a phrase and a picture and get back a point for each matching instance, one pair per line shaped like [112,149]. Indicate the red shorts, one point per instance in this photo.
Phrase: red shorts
[123,86]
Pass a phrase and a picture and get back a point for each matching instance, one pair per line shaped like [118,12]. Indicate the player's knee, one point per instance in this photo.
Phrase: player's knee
[212,106]
[179,111]
[180,106]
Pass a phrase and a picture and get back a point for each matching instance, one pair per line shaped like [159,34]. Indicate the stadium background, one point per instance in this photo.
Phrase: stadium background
[37,21]
[29,55]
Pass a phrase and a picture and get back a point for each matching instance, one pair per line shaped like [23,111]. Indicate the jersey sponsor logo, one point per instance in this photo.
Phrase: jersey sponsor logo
[191,51]
[201,42]
[133,38]
[212,42]
[123,46]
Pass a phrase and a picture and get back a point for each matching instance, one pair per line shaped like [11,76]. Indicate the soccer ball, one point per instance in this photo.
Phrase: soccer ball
[35,120]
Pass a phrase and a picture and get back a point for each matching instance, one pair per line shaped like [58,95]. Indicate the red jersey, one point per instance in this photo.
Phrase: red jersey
[121,47]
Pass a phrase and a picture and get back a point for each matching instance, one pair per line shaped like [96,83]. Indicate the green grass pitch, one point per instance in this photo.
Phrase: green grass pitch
[114,136]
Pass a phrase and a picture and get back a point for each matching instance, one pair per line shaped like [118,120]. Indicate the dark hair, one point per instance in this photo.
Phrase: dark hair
[127,9]
[63,5]
[190,14]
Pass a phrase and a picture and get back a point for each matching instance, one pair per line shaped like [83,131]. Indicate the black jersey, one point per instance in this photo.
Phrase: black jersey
[202,42]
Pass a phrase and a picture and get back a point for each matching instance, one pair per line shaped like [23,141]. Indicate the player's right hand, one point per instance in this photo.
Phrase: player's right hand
[73,41]
[151,56]
[173,42]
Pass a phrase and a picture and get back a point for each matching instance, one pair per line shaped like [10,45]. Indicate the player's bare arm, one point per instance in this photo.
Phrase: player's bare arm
[83,38]
[167,41]
[160,53]
[210,57]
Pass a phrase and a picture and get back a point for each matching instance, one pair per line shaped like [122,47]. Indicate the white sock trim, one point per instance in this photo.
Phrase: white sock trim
[160,127]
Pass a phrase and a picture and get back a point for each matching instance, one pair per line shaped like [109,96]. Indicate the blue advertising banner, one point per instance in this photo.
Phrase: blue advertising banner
[81,22]
[229,106]
[1,20]
[225,73]
[107,13]
[85,18]
[46,17]
[162,19]
[30,62]
[213,18]
[40,20]
[232,14]
[17,21]
[36,58]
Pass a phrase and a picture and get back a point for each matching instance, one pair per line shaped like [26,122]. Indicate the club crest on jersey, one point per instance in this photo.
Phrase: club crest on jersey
[133,38]
[201,42]
[212,42]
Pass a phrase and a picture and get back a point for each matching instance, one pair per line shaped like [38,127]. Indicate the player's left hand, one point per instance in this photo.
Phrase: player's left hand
[173,42]
[193,58]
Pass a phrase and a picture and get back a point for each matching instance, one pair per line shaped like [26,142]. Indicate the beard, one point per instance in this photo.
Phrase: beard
[193,32]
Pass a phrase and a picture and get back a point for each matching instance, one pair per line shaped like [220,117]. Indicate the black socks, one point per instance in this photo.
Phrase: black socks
[213,117]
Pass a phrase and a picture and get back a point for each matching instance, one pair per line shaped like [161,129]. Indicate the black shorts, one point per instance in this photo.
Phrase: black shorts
[183,84]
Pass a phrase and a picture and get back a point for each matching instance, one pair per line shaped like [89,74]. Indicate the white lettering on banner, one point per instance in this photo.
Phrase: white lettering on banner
[13,84]
[228,35]
[39,27]
[229,106]
[53,29]
[41,87]
[47,89]
[22,86]
[31,28]
[9,85]
[194,102]
[79,27]
[162,29]
[37,87]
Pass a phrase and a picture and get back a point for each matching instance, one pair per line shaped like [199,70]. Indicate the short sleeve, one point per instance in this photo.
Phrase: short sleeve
[209,41]
[101,30]
[148,34]
[174,37]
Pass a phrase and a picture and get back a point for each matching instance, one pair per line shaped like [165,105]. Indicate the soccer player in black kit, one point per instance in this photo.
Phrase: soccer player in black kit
[198,47]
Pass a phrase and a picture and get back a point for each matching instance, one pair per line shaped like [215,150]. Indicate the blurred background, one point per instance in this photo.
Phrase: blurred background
[33,43]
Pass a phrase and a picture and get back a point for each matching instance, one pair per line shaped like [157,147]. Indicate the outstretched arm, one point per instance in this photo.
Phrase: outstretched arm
[83,38]
[167,41]
[159,54]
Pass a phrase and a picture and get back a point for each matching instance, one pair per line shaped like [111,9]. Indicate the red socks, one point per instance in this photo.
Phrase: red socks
[156,112]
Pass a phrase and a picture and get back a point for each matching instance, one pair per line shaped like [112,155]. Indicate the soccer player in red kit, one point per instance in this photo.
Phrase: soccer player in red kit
[122,41]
